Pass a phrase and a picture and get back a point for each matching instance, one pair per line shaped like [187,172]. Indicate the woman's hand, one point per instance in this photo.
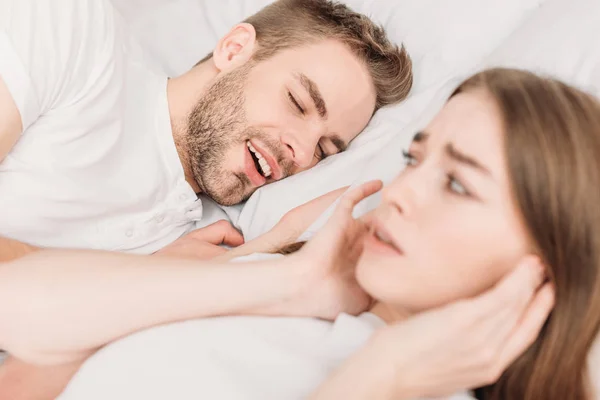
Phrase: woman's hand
[295,222]
[466,344]
[287,230]
[330,258]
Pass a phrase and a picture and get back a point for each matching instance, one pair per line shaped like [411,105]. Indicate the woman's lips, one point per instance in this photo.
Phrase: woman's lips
[383,237]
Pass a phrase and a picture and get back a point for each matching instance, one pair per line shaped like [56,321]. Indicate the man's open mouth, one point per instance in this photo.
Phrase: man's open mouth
[259,161]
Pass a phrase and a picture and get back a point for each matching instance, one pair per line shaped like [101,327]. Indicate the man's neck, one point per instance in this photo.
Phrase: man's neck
[183,93]
[389,314]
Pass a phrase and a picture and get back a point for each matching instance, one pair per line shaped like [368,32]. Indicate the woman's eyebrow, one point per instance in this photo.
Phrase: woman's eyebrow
[463,158]
[420,137]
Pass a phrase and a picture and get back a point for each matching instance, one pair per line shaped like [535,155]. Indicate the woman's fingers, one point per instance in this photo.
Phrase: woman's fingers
[518,290]
[515,291]
[355,196]
[491,317]
[529,326]
[507,319]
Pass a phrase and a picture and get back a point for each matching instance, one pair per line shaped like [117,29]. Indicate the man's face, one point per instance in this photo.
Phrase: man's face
[268,120]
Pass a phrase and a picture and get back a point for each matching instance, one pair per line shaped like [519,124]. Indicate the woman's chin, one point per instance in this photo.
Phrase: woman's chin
[375,270]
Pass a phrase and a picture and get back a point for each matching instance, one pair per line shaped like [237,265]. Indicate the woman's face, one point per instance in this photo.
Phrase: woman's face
[449,215]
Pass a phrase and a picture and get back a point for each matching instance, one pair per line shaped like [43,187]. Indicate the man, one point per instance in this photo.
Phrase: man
[100,152]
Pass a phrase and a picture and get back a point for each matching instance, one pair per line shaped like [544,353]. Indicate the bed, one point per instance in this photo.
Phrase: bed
[448,41]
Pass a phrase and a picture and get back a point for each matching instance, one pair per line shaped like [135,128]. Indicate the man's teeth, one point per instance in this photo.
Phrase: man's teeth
[264,165]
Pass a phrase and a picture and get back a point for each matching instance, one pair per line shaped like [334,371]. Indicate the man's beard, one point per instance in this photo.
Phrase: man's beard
[217,124]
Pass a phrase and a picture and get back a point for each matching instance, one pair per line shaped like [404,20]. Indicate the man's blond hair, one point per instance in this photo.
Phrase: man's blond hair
[292,23]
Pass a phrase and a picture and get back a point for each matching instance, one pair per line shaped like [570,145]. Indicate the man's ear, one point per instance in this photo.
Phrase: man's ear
[235,48]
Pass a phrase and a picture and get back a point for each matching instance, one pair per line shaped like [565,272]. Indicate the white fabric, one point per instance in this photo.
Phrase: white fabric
[228,358]
[96,166]
[560,40]
[222,358]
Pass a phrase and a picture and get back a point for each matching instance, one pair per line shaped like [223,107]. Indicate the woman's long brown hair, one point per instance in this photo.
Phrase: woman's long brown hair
[552,146]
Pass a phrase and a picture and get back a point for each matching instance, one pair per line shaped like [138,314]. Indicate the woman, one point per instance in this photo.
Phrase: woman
[507,171]
[509,167]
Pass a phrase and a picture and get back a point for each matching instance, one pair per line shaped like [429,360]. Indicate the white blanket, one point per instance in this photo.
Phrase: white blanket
[229,358]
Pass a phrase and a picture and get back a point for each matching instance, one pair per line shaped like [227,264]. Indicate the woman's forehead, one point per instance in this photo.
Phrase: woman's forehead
[471,122]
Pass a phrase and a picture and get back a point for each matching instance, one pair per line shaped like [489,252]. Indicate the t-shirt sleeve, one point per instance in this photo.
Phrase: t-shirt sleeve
[48,49]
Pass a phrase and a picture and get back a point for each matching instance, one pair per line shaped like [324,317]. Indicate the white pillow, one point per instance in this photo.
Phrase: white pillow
[561,40]
[179,33]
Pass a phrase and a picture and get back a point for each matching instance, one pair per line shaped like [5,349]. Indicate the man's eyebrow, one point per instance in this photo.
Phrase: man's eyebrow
[465,159]
[338,143]
[314,93]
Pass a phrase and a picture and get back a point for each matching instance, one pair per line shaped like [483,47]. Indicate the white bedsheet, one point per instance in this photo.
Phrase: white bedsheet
[229,358]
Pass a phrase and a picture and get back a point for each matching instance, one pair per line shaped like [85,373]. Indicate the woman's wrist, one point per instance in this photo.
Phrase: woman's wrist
[379,375]
[300,277]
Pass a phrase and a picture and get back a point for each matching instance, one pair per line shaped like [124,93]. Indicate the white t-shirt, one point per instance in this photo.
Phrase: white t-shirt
[96,166]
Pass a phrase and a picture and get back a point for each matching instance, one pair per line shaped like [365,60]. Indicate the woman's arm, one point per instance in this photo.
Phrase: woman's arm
[56,306]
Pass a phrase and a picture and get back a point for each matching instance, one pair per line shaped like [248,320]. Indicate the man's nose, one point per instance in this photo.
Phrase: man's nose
[302,146]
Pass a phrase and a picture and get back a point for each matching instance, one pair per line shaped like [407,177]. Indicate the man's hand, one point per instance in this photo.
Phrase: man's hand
[12,249]
[204,244]
[22,381]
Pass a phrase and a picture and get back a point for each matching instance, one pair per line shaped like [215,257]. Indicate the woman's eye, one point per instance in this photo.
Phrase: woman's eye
[295,103]
[409,159]
[456,187]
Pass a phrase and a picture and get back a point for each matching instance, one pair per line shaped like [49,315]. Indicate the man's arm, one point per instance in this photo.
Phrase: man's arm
[22,381]
[10,121]
[10,130]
